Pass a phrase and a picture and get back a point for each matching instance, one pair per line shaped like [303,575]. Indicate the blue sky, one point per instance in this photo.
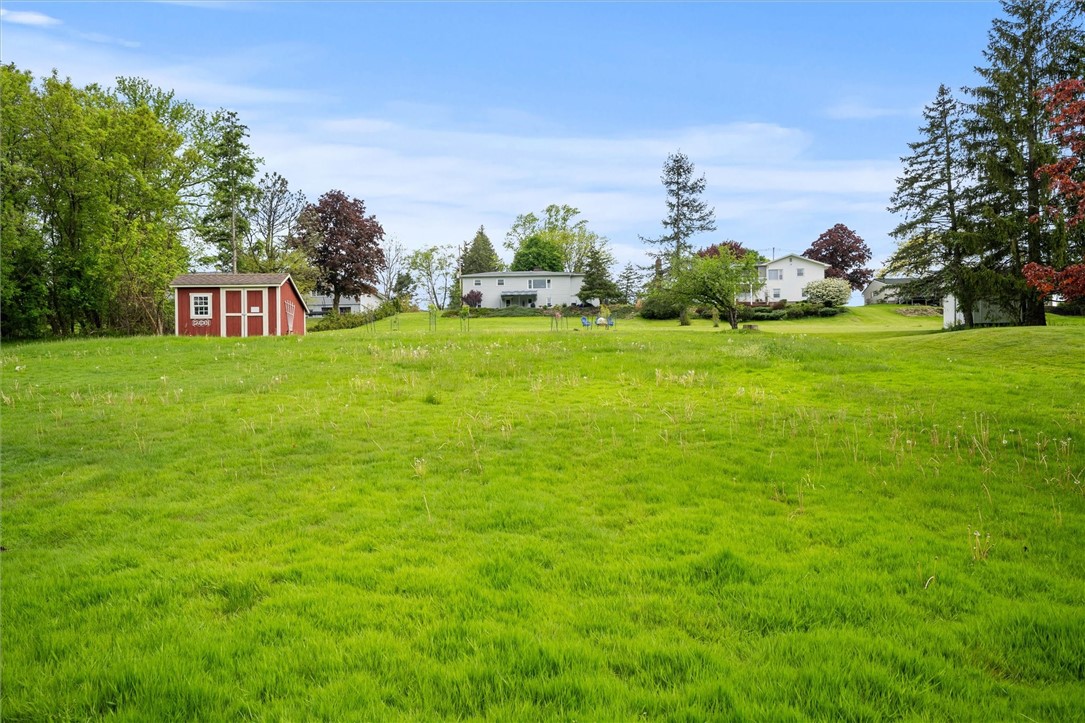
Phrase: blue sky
[445,116]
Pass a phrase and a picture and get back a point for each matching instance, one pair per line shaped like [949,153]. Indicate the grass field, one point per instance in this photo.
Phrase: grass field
[837,519]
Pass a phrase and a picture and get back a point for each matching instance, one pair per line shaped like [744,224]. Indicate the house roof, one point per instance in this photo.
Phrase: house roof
[506,274]
[796,256]
[244,280]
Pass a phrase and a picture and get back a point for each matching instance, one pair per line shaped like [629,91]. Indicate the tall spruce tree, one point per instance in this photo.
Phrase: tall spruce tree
[1037,44]
[933,197]
[480,256]
[597,282]
[687,213]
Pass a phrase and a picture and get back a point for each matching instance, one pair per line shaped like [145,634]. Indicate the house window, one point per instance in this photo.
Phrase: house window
[478,282]
[540,284]
[800,272]
[500,282]
[201,306]
[776,293]
[776,274]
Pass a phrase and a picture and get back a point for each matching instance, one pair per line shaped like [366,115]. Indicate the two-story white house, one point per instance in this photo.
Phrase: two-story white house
[784,278]
[524,288]
[321,305]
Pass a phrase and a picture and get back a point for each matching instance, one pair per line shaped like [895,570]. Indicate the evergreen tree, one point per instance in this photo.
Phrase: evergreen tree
[480,256]
[597,282]
[1036,45]
[932,195]
[630,283]
[231,189]
[687,213]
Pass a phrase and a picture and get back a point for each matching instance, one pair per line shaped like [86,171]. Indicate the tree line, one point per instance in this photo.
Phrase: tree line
[991,194]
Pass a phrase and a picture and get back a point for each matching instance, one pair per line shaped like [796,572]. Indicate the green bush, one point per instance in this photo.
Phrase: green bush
[657,305]
[829,311]
[333,321]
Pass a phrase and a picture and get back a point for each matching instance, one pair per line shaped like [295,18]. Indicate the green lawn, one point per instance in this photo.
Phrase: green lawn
[853,518]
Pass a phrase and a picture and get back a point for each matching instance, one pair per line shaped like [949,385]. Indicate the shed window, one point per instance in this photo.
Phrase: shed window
[201,306]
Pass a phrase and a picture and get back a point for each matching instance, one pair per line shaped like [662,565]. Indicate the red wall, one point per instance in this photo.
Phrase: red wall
[201,327]
[299,311]
[276,311]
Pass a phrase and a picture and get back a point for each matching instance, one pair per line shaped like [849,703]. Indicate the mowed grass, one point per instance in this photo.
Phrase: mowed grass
[516,524]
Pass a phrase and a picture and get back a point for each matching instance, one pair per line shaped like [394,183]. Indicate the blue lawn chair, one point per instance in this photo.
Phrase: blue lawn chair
[585,323]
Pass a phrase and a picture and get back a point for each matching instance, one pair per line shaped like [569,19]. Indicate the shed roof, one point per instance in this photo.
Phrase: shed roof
[217,279]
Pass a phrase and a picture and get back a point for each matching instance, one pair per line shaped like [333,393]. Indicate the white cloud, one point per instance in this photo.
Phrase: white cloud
[106,39]
[437,185]
[433,175]
[25,17]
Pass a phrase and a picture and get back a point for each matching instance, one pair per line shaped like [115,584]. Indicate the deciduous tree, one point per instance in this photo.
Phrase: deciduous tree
[716,281]
[270,221]
[845,252]
[433,268]
[343,244]
[537,252]
[1065,106]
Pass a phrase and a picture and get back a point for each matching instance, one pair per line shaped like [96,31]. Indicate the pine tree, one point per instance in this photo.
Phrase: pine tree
[1036,45]
[597,282]
[480,256]
[932,194]
[687,213]
[231,188]
[630,283]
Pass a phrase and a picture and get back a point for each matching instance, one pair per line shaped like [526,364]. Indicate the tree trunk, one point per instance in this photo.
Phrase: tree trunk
[335,302]
[732,317]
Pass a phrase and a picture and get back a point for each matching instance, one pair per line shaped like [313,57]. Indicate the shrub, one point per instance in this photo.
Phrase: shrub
[829,292]
[657,305]
[473,298]
[331,322]
[829,311]
[795,311]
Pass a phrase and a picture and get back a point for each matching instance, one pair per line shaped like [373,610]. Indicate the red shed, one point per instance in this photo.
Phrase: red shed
[237,305]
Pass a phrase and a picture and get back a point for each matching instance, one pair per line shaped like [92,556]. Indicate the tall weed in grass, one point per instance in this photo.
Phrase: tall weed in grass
[520,524]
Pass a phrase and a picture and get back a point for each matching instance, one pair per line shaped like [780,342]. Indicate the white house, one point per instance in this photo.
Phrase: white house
[524,288]
[886,290]
[984,313]
[320,305]
[785,277]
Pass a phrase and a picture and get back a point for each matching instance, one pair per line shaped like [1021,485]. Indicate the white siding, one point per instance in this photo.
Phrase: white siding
[792,274]
[524,288]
